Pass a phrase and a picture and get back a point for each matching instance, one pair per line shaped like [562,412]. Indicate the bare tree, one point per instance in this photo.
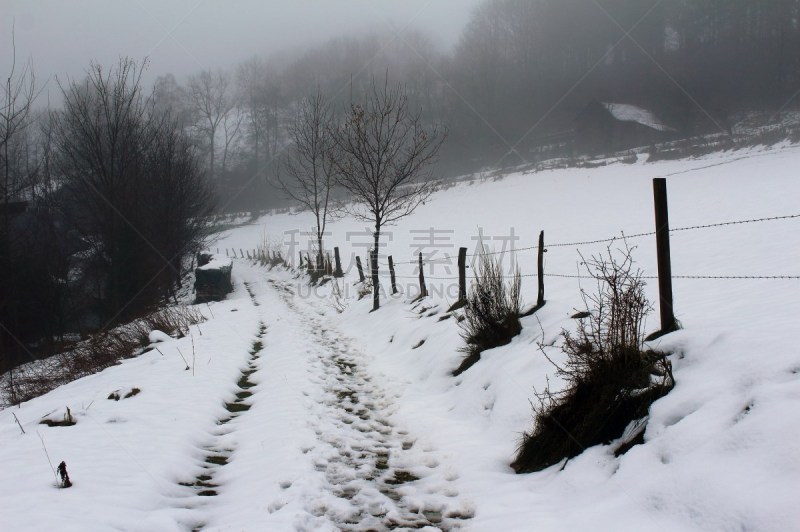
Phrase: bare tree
[17,96]
[231,125]
[252,84]
[210,96]
[310,176]
[382,155]
[19,93]
[132,185]
[170,97]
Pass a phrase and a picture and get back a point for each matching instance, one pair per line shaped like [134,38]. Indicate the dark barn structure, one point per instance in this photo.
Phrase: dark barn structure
[611,127]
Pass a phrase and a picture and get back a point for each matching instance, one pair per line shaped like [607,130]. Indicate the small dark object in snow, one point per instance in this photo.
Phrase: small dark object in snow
[580,315]
[62,472]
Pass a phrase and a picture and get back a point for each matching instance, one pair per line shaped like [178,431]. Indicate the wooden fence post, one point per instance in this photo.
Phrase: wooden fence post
[328,264]
[540,271]
[360,269]
[338,272]
[663,252]
[391,275]
[423,290]
[462,275]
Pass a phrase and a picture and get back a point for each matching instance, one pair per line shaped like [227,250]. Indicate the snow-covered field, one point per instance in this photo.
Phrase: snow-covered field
[353,422]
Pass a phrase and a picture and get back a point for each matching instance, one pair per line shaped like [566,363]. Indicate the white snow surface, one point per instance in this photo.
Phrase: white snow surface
[625,112]
[156,336]
[217,262]
[342,402]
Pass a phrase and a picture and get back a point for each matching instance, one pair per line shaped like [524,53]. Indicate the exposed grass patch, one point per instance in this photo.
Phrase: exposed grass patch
[132,393]
[217,460]
[237,407]
[57,423]
[67,421]
[244,381]
[401,477]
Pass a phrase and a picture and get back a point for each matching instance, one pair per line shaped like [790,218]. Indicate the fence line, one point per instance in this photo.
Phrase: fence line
[450,259]
[622,236]
[646,277]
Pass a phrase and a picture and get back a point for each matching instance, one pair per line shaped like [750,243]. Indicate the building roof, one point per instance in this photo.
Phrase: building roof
[630,113]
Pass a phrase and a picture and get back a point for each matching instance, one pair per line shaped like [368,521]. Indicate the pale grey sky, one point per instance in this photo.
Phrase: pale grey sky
[185,36]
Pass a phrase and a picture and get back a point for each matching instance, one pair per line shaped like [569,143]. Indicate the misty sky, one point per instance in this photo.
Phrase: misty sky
[185,36]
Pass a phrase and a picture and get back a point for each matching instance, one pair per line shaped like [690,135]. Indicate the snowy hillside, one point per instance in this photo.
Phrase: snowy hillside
[303,411]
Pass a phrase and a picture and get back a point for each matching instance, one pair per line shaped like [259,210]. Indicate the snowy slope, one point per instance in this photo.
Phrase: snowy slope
[353,424]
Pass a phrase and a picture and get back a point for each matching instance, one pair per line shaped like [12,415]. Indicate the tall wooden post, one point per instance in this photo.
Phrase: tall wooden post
[663,253]
[423,290]
[338,272]
[360,269]
[391,275]
[540,271]
[462,274]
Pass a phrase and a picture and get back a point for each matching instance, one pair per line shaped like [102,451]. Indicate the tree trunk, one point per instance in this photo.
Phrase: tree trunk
[376,286]
[212,138]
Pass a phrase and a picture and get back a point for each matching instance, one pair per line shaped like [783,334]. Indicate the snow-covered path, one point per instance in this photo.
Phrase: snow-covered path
[370,465]
[352,467]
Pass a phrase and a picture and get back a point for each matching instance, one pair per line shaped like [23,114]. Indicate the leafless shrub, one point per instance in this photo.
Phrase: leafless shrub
[365,288]
[270,251]
[610,380]
[338,301]
[492,311]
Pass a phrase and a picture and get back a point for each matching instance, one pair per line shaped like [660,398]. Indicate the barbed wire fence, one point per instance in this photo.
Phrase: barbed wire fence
[664,277]
[448,259]
[662,234]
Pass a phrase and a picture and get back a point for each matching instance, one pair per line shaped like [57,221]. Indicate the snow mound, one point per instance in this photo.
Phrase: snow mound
[217,262]
[157,337]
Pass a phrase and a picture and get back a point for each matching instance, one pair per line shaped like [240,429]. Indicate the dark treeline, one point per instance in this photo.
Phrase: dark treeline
[102,202]
[529,66]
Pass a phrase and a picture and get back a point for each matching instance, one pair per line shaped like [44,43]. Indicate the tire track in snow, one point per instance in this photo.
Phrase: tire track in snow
[216,453]
[379,480]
